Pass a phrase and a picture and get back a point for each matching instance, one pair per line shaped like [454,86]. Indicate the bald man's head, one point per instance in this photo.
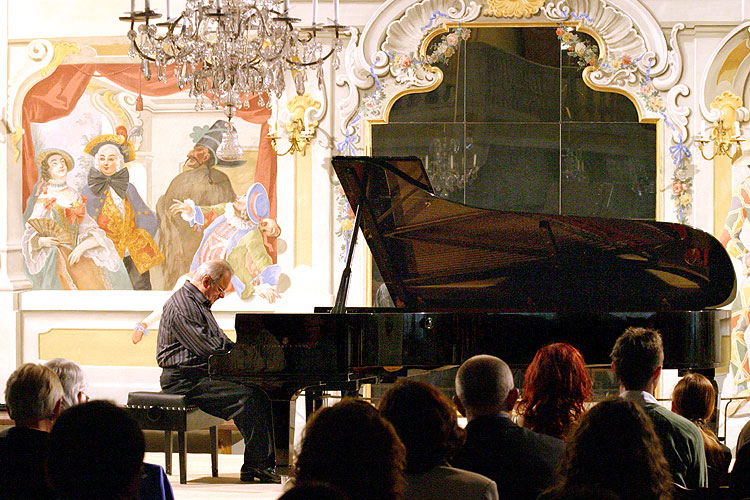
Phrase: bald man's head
[484,385]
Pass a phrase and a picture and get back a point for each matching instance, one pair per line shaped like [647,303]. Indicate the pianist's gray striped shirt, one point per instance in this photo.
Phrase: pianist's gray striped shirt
[188,331]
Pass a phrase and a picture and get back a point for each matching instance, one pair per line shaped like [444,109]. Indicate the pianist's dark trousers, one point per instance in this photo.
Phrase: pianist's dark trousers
[248,406]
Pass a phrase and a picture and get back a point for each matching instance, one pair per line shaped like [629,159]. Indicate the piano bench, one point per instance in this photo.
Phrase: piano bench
[170,412]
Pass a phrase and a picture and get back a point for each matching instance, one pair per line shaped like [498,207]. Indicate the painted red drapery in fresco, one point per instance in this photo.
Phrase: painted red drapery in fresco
[57,95]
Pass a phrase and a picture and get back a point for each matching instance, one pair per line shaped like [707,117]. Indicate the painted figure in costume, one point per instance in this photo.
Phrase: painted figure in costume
[201,183]
[118,208]
[238,232]
[739,211]
[63,248]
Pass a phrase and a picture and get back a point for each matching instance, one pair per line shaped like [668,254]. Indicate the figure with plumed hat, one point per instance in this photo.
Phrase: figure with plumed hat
[118,208]
[62,246]
[240,233]
[202,183]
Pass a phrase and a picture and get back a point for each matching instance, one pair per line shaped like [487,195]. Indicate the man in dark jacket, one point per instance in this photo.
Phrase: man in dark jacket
[520,461]
[34,396]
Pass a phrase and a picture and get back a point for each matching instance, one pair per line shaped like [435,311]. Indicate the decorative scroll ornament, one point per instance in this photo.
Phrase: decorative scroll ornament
[513,8]
[62,49]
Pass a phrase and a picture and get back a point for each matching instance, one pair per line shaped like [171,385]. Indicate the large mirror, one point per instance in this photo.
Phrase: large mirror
[513,126]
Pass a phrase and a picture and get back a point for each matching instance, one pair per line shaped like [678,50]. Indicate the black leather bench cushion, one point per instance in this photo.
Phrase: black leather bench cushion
[158,399]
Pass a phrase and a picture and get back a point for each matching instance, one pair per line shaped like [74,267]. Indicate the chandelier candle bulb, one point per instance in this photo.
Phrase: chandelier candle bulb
[335,11]
[315,13]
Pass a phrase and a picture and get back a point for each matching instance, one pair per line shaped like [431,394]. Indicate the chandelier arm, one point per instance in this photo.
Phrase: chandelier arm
[311,63]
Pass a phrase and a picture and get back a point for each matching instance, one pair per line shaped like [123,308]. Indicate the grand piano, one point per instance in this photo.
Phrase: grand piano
[467,280]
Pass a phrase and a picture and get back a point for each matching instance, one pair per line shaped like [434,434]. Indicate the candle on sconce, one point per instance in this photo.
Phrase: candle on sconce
[148,5]
[286,6]
[335,11]
[167,10]
[736,129]
[315,13]
[132,5]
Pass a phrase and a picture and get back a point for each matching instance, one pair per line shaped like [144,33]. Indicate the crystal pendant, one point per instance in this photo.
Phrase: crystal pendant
[229,149]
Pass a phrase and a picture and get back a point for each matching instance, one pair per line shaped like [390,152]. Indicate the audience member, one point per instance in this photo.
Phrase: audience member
[72,378]
[96,452]
[154,483]
[739,486]
[614,446]
[521,462]
[738,483]
[744,436]
[694,397]
[33,395]
[637,362]
[555,388]
[313,491]
[426,422]
[351,447]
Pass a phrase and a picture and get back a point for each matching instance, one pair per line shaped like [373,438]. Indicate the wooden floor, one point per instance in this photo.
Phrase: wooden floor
[201,486]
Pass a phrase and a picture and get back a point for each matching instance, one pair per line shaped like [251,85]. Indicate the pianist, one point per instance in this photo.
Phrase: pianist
[188,335]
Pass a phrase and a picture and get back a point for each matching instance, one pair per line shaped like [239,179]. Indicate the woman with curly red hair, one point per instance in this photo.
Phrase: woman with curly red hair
[555,387]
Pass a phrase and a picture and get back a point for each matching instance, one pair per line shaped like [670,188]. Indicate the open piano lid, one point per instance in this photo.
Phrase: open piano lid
[440,255]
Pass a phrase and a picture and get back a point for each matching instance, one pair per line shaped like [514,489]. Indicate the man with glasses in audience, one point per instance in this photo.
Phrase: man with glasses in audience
[73,380]
[188,335]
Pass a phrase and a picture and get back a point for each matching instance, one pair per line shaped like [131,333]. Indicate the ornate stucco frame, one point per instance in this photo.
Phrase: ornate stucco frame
[624,30]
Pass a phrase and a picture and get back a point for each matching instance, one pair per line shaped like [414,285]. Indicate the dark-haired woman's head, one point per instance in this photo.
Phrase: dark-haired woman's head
[425,420]
[694,397]
[615,445]
[555,387]
[350,446]
[96,453]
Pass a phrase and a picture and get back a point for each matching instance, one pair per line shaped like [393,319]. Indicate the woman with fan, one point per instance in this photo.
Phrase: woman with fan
[63,247]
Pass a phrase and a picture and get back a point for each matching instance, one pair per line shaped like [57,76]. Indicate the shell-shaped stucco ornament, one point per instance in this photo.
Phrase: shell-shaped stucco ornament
[513,8]
[613,27]
[406,35]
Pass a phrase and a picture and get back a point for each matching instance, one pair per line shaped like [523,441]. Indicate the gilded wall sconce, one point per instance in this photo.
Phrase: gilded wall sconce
[298,123]
[725,133]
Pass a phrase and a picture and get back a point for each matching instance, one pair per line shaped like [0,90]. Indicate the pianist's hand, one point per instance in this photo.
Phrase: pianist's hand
[269,294]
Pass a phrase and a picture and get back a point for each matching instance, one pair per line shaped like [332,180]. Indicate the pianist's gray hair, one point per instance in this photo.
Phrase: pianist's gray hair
[214,269]
[72,378]
[483,382]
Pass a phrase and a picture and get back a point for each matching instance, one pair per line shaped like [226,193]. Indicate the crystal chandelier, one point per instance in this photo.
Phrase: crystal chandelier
[228,51]
[450,165]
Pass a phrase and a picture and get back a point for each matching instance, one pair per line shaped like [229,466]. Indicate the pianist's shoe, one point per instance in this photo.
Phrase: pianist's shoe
[265,475]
